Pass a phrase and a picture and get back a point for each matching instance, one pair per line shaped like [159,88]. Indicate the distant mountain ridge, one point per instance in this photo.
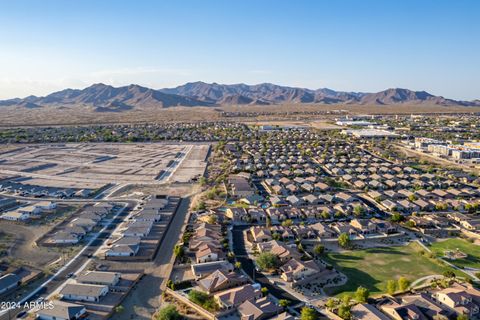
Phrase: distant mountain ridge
[105,98]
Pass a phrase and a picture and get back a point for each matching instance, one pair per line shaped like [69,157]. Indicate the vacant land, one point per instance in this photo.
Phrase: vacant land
[372,268]
[92,166]
[472,250]
[15,116]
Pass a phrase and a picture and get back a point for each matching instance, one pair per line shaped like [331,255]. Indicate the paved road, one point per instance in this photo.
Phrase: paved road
[144,299]
[249,267]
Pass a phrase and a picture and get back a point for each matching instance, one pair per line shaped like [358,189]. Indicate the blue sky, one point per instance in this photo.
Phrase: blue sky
[367,45]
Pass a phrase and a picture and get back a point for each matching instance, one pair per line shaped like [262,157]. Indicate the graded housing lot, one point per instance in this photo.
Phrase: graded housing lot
[92,166]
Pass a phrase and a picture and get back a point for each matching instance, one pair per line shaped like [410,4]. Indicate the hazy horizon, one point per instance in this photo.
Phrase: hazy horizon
[348,45]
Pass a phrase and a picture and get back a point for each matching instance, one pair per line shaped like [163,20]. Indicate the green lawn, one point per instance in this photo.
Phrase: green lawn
[472,250]
[372,268]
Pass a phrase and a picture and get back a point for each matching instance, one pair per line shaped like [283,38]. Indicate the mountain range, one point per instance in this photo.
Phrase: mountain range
[105,98]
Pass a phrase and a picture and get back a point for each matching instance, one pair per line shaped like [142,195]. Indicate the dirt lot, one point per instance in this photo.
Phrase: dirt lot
[24,247]
[11,116]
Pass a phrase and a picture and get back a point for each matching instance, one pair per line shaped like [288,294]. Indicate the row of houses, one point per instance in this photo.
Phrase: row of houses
[30,211]
[206,243]
[89,288]
[311,212]
[449,303]
[81,224]
[139,226]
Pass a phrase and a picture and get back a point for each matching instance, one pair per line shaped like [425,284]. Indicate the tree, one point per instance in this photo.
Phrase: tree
[331,303]
[238,265]
[344,240]
[168,313]
[361,295]
[287,223]
[201,206]
[178,251]
[346,299]
[203,300]
[449,274]
[344,312]
[264,291]
[391,286]
[358,211]
[325,214]
[283,303]
[462,317]
[308,314]
[212,219]
[119,308]
[403,283]
[267,261]
[397,217]
[171,284]
[410,224]
[318,250]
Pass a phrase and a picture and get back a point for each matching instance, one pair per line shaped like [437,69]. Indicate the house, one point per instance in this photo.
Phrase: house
[45,205]
[390,205]
[30,210]
[311,199]
[201,270]
[323,231]
[8,282]
[277,201]
[403,311]
[364,226]
[258,309]
[138,229]
[471,224]
[383,226]
[294,270]
[252,199]
[260,234]
[232,298]
[125,250]
[423,205]
[257,215]
[208,253]
[365,311]
[85,223]
[62,237]
[220,280]
[429,307]
[99,277]
[294,200]
[344,197]
[283,252]
[342,227]
[15,216]
[240,187]
[61,310]
[463,299]
[148,215]
[236,214]
[286,234]
[320,186]
[84,292]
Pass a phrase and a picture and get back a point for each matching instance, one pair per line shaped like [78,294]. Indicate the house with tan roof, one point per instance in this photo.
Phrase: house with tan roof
[258,309]
[221,280]
[294,270]
[232,298]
